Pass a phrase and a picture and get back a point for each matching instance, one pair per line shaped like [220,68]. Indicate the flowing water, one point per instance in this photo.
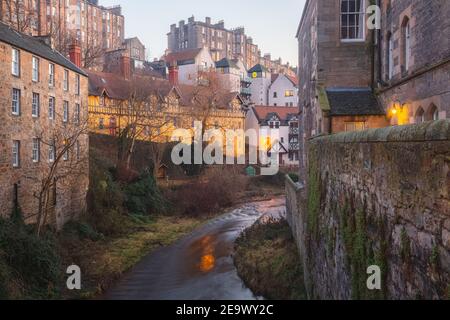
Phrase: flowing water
[199,266]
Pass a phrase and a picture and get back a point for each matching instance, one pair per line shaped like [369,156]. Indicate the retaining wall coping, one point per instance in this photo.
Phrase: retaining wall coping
[429,131]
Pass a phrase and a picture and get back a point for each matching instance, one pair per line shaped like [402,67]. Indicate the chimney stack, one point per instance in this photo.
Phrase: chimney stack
[75,54]
[173,74]
[125,67]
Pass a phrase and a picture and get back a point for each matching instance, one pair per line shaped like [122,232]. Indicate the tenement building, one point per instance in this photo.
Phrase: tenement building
[43,141]
[94,26]
[222,42]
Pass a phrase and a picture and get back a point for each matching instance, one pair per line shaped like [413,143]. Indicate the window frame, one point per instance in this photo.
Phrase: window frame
[66,81]
[359,14]
[36,150]
[35,66]
[51,108]
[65,111]
[14,72]
[17,101]
[35,105]
[16,154]
[51,75]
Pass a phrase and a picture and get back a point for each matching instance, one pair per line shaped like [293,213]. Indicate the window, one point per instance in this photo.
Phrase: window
[15,102]
[66,80]
[16,154]
[352,20]
[66,155]
[35,105]
[289,93]
[51,75]
[355,126]
[77,113]
[390,56]
[36,151]
[51,108]
[51,153]
[101,123]
[275,94]
[15,62]
[406,44]
[77,84]
[78,150]
[66,111]
[274,124]
[420,115]
[35,69]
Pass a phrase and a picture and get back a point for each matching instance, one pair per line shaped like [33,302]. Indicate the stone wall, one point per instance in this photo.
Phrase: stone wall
[378,197]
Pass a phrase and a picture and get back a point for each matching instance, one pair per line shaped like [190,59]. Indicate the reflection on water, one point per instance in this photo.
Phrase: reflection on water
[207,260]
[199,266]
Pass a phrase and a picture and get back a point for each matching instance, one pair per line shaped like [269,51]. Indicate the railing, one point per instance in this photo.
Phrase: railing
[293,131]
[294,146]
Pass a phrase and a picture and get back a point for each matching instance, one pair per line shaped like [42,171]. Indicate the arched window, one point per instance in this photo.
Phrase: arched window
[390,59]
[433,113]
[406,44]
[420,115]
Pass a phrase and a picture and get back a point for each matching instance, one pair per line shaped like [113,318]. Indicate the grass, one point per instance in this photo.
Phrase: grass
[104,261]
[268,261]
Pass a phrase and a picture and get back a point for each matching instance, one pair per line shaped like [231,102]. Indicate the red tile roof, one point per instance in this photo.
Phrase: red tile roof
[262,112]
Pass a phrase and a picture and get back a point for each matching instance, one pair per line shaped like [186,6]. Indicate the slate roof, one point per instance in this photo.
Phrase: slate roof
[202,95]
[36,47]
[353,102]
[117,87]
[258,68]
[226,63]
[265,113]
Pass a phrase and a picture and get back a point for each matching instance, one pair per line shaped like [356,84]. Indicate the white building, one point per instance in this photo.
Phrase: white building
[261,81]
[233,76]
[190,63]
[263,119]
[283,92]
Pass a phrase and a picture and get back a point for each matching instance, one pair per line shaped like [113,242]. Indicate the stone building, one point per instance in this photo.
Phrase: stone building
[170,105]
[261,81]
[136,51]
[413,80]
[92,25]
[44,96]
[233,77]
[354,78]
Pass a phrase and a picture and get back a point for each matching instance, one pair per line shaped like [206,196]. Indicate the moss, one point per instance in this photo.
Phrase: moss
[435,257]
[314,195]
[405,246]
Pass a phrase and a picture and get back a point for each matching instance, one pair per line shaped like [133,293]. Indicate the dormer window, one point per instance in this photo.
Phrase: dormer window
[274,124]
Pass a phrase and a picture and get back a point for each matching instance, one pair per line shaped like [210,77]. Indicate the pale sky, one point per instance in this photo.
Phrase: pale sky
[272,24]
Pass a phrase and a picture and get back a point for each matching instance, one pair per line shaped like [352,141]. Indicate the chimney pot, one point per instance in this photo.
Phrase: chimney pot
[125,67]
[173,73]
[75,54]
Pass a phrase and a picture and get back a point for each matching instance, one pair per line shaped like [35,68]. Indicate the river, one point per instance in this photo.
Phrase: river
[199,266]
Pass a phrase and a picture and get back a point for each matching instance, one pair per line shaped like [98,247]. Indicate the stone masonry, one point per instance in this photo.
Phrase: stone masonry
[380,197]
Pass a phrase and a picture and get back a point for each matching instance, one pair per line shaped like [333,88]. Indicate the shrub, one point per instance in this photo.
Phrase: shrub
[33,261]
[143,196]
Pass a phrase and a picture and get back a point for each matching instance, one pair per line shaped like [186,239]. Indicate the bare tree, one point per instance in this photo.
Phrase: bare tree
[64,160]
[142,118]
[19,14]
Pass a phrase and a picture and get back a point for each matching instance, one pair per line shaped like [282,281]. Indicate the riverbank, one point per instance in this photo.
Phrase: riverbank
[268,262]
